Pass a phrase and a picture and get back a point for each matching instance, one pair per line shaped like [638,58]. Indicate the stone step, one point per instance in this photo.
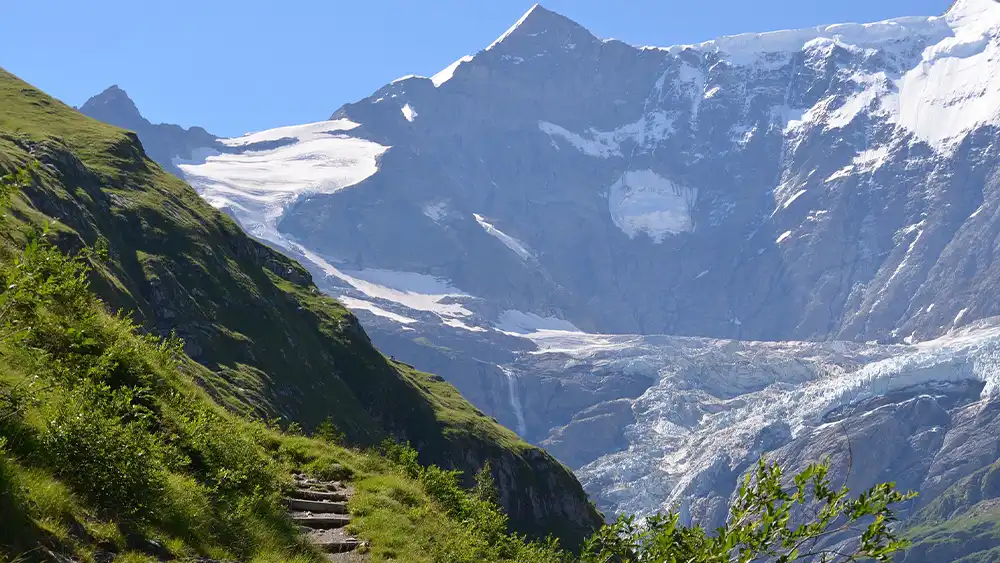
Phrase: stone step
[317,506]
[345,546]
[320,521]
[311,494]
[333,541]
[318,485]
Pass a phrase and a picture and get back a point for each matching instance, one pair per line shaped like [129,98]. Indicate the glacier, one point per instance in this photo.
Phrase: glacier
[256,185]
[711,399]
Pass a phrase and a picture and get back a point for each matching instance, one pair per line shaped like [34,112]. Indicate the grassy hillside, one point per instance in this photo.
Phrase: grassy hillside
[963,524]
[263,339]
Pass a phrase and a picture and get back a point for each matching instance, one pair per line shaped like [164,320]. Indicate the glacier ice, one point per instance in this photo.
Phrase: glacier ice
[712,398]
[259,185]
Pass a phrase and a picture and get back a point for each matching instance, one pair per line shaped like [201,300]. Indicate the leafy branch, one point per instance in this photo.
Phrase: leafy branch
[15,182]
[769,521]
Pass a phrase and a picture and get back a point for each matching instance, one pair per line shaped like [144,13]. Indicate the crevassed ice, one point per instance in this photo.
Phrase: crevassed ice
[712,398]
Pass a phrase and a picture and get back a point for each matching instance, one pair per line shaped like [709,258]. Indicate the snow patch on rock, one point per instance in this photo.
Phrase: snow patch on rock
[599,145]
[642,201]
[409,289]
[646,133]
[408,112]
[512,28]
[519,322]
[449,71]
[510,242]
[355,304]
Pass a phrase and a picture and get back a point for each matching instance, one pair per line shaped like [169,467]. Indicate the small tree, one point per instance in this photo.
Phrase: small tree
[328,432]
[486,488]
[768,522]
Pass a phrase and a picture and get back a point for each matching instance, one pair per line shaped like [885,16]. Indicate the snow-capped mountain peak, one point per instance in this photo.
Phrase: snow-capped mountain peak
[674,158]
[974,14]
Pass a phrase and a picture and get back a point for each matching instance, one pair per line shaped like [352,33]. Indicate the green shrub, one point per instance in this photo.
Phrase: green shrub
[226,457]
[114,462]
[403,456]
[14,182]
[486,488]
[484,524]
[45,296]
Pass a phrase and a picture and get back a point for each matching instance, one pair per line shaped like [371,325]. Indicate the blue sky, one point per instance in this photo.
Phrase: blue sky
[237,66]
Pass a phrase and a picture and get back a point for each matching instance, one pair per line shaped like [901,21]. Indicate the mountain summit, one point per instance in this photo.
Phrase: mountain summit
[541,26]
[113,105]
[164,143]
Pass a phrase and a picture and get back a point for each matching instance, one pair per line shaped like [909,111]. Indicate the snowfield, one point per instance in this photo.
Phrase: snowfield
[257,186]
[645,202]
